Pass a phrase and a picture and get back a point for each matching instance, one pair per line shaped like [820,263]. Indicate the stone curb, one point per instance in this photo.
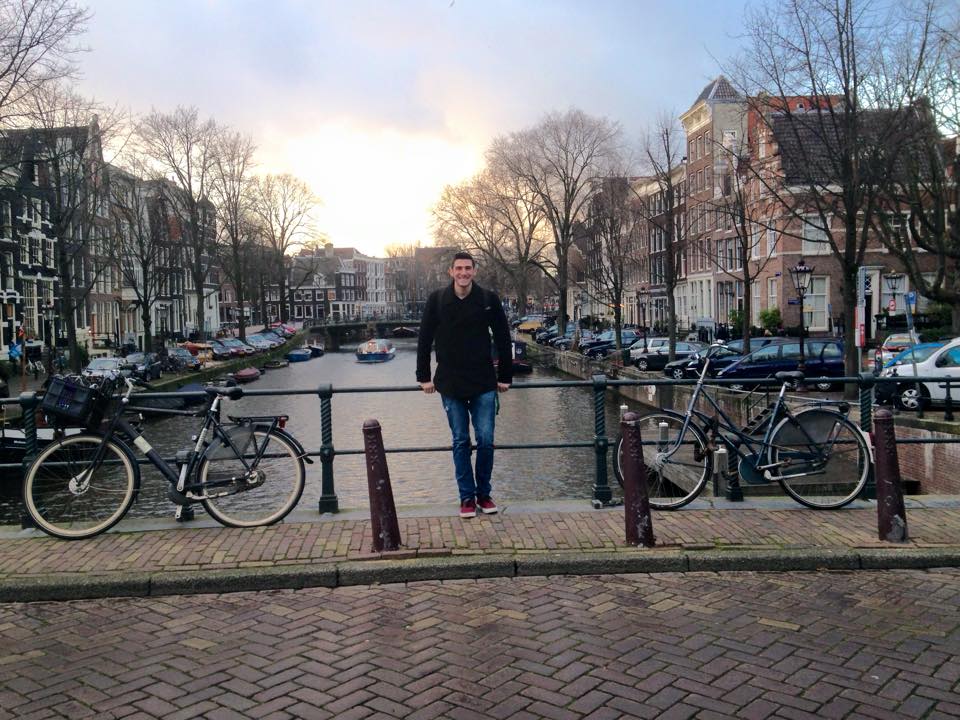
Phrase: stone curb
[71,586]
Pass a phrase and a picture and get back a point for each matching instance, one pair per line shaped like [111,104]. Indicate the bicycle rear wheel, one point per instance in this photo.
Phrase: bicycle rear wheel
[677,480]
[821,459]
[261,496]
[70,498]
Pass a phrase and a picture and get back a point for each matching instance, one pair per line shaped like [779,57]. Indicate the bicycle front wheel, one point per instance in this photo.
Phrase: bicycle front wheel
[819,458]
[675,481]
[69,497]
[248,493]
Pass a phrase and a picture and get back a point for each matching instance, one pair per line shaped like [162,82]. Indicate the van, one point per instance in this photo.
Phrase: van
[822,358]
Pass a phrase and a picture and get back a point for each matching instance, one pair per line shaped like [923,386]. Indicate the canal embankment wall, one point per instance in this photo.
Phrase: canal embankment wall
[930,468]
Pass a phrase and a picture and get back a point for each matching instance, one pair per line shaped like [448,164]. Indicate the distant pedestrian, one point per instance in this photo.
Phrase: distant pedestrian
[457,323]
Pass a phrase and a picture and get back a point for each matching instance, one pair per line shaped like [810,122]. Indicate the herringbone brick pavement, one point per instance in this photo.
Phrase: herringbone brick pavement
[880,644]
[328,540]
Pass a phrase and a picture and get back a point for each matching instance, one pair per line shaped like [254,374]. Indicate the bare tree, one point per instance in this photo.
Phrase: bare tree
[558,160]
[182,150]
[826,54]
[38,47]
[66,144]
[233,193]
[614,221]
[284,207]
[663,211]
[139,241]
[919,200]
[496,216]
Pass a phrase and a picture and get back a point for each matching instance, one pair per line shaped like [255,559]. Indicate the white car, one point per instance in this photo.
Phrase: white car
[645,345]
[944,362]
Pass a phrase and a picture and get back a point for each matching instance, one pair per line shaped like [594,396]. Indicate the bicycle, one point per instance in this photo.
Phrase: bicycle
[816,454]
[247,473]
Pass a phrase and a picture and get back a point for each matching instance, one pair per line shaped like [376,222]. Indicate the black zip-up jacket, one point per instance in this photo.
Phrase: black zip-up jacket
[459,331]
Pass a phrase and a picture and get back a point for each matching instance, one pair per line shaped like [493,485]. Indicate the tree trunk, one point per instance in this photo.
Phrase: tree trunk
[147,330]
[747,312]
[850,354]
[201,333]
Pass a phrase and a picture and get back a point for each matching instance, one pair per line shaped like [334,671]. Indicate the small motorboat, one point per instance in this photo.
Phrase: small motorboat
[520,364]
[246,375]
[315,350]
[405,332]
[377,350]
[275,364]
[299,355]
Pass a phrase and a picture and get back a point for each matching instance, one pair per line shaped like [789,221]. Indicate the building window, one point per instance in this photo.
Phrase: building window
[755,304]
[30,308]
[755,239]
[772,299]
[8,271]
[816,239]
[771,242]
[815,304]
[298,311]
[308,312]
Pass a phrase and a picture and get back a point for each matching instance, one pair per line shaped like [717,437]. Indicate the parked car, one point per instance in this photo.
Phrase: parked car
[271,334]
[283,329]
[893,344]
[941,362]
[103,367]
[597,350]
[822,358]
[183,357]
[259,343]
[4,388]
[657,358]
[644,344]
[222,351]
[146,366]
[240,345]
[689,366]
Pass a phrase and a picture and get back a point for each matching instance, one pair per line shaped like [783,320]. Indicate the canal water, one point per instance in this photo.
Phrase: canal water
[408,419]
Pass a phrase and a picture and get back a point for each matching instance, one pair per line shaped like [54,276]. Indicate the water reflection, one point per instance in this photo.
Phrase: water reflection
[409,419]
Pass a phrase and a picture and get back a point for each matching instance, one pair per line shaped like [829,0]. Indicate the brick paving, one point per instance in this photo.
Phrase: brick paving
[867,644]
[329,540]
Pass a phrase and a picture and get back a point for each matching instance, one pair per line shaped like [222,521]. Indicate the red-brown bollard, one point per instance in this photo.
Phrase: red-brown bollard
[383,513]
[636,501]
[891,513]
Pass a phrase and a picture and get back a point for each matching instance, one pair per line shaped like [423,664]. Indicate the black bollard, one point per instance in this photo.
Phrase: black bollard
[891,513]
[636,501]
[383,512]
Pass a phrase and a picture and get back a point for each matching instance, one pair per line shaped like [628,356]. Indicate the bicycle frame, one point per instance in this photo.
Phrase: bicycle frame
[212,429]
[756,448]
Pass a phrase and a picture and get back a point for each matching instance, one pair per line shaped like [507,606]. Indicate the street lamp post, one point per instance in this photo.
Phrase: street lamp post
[893,284]
[800,274]
[49,313]
[642,312]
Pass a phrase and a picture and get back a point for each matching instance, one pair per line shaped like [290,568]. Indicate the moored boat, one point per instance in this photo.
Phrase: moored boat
[405,332]
[275,364]
[247,374]
[315,350]
[299,355]
[377,350]
[520,364]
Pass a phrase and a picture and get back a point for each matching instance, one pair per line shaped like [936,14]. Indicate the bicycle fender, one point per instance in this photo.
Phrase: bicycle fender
[301,453]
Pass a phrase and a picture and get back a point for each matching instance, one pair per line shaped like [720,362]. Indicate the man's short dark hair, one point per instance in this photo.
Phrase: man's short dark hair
[463,255]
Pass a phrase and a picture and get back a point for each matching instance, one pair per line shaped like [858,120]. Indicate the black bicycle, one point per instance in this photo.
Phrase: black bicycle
[245,473]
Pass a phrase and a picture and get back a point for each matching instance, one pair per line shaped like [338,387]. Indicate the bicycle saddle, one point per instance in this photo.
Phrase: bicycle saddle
[785,375]
[234,393]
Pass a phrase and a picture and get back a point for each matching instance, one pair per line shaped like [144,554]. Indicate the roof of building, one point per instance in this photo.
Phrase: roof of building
[718,89]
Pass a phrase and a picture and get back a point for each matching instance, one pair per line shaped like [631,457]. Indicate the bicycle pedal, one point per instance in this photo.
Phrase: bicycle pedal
[183,513]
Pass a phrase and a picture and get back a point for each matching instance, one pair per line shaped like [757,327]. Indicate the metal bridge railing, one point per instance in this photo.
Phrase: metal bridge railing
[600,442]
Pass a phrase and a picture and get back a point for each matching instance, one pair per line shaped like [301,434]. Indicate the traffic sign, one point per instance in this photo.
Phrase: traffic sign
[911,298]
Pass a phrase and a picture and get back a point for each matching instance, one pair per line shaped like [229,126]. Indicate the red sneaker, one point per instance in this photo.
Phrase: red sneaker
[487,505]
[468,509]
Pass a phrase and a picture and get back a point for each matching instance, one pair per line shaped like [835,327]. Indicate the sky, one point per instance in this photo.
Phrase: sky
[379,104]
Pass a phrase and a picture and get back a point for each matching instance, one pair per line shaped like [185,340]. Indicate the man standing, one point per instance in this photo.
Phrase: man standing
[458,320]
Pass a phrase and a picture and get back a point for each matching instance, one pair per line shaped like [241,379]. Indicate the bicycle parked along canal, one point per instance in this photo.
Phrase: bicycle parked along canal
[815,453]
[245,473]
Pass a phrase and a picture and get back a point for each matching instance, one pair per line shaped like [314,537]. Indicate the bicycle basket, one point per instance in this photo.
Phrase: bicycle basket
[69,402]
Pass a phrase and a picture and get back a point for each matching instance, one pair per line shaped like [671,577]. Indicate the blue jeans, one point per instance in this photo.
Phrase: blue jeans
[483,410]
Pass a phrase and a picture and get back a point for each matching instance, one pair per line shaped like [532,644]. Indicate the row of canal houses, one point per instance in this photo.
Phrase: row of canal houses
[720,125]
[67,248]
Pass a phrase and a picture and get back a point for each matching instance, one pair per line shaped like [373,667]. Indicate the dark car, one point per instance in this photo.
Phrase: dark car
[657,358]
[221,351]
[823,358]
[690,366]
[146,366]
[181,357]
[240,345]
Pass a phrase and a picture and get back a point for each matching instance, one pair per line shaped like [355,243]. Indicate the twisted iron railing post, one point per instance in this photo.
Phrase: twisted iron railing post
[867,384]
[601,489]
[948,404]
[328,496]
[28,408]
